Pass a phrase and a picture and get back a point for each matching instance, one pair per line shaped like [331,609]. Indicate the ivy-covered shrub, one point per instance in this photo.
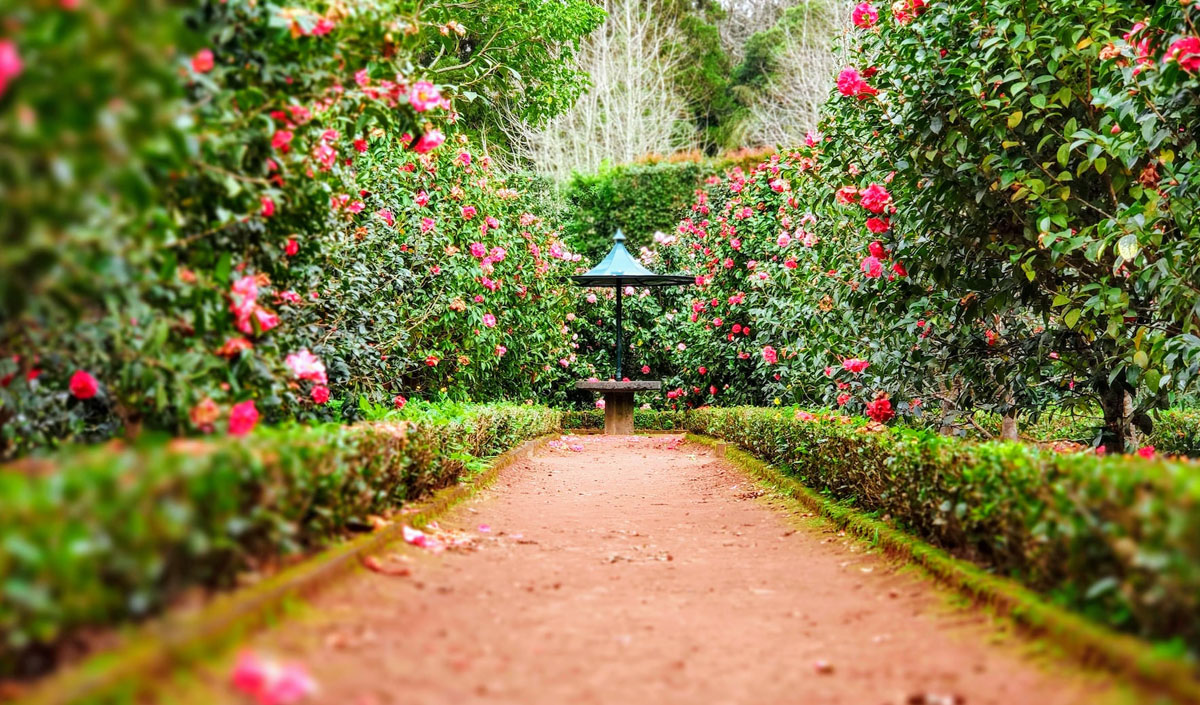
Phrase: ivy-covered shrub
[99,536]
[1116,538]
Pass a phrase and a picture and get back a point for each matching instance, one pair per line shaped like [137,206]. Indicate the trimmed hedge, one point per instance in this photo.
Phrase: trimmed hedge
[643,420]
[1115,538]
[110,534]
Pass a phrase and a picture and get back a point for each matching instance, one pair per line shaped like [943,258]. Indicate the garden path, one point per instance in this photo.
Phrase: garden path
[647,570]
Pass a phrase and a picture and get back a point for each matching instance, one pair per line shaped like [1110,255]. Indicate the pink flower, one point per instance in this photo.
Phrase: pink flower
[399,401]
[645,369]
[872,267]
[1186,52]
[10,64]
[362,77]
[83,385]
[386,216]
[489,320]
[356,206]
[427,224]
[1146,452]
[855,365]
[464,158]
[305,365]
[421,198]
[783,240]
[424,96]
[599,403]
[468,212]
[202,61]
[802,415]
[500,351]
[770,355]
[431,361]
[269,682]
[478,250]
[291,248]
[267,206]
[851,83]
[320,394]
[864,16]
[878,225]
[429,141]
[876,198]
[812,138]
[242,418]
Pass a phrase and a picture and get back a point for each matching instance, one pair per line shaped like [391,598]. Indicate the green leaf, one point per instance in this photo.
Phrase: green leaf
[1072,317]
[1141,359]
[1128,247]
[1015,119]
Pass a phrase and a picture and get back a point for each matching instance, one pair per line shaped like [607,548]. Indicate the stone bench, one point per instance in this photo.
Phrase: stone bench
[618,403]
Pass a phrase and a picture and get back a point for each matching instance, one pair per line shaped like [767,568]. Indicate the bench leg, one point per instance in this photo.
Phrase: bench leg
[618,414]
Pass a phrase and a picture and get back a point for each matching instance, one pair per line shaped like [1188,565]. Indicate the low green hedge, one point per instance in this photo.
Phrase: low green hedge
[1115,538]
[643,420]
[109,534]
[1177,432]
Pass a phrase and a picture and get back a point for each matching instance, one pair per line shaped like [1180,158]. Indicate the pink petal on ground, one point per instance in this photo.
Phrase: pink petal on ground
[484,529]
[415,536]
[251,673]
[293,685]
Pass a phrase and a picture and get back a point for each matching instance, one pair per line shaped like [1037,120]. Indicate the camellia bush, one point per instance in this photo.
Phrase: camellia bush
[174,193]
[1032,165]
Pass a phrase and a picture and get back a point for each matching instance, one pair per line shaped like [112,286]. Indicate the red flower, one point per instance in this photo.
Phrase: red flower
[1146,452]
[878,225]
[320,394]
[876,250]
[1186,52]
[83,385]
[202,62]
[242,418]
[10,64]
[431,361]
[268,206]
[880,410]
[429,141]
[842,399]
[291,248]
[282,140]
[770,355]
[360,145]
[851,83]
[399,401]
[645,369]
[876,198]
[855,365]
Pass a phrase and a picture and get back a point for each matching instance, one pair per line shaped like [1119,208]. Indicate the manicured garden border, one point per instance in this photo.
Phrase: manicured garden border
[1086,641]
[123,674]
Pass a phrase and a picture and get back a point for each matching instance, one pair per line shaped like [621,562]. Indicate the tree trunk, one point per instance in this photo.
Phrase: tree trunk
[1008,426]
[1118,416]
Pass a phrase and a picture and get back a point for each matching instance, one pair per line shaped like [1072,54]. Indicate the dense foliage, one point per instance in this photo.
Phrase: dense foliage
[1114,538]
[108,534]
[179,195]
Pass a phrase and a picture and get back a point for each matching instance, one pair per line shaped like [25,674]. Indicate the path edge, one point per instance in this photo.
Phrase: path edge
[126,672]
[1088,643]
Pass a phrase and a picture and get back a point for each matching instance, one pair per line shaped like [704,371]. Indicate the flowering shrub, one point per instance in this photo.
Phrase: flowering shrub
[100,536]
[1111,537]
[175,246]
[1029,167]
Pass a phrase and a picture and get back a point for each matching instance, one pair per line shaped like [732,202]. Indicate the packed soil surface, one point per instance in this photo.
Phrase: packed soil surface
[647,570]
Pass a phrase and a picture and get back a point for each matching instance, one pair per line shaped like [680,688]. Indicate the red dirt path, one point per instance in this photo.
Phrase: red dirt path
[641,571]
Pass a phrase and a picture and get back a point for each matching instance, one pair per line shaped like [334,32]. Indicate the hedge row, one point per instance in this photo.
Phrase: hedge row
[643,420]
[111,534]
[1176,431]
[1116,538]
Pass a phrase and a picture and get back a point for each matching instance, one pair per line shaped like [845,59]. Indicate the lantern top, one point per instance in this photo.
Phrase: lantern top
[619,268]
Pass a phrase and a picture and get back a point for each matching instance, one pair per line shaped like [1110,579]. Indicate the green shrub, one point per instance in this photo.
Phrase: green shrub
[114,533]
[1177,432]
[643,420]
[1116,538]
[641,199]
